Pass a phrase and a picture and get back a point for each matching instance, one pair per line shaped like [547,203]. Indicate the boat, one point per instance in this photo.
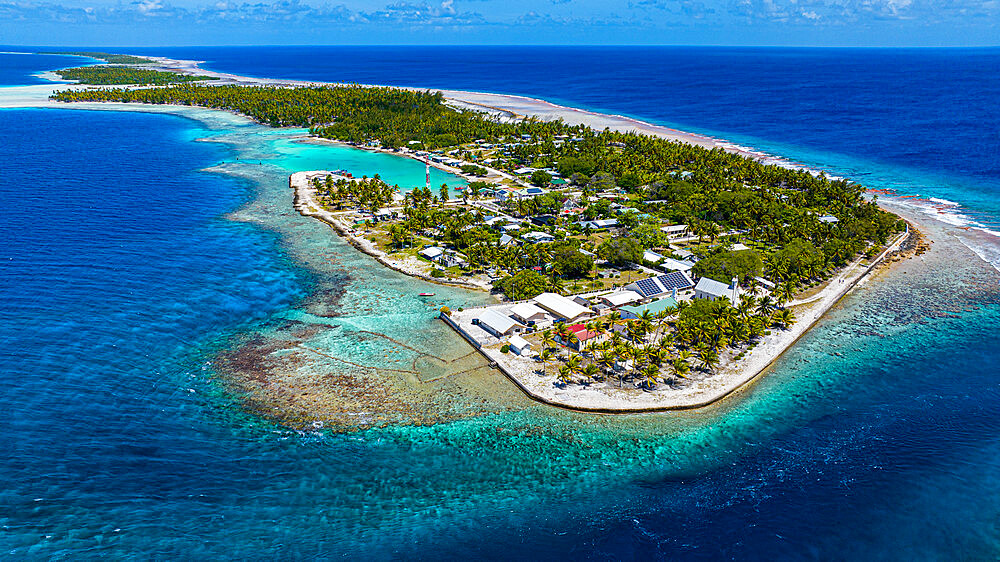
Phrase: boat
[426,294]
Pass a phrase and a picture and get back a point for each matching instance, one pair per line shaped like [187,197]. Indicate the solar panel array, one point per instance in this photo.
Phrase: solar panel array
[674,280]
[648,287]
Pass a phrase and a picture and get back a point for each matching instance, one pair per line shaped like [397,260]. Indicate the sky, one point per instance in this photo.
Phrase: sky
[867,23]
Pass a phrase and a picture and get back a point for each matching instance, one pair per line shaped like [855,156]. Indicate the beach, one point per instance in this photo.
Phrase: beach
[699,392]
[699,389]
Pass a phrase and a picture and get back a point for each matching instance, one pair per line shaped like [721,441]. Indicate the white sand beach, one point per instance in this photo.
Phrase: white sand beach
[695,393]
[701,389]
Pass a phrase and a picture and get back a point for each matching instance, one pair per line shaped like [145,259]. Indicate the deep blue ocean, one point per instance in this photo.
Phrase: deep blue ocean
[127,267]
[866,112]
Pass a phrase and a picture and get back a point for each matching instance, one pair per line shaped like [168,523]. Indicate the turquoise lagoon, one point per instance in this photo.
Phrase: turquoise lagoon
[129,432]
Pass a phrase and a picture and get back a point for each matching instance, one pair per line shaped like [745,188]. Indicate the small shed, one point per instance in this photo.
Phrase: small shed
[519,345]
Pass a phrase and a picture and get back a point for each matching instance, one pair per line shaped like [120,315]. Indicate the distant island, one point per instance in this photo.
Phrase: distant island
[653,274]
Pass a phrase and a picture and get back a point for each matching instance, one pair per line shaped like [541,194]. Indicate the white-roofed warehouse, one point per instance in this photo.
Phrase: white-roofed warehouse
[562,307]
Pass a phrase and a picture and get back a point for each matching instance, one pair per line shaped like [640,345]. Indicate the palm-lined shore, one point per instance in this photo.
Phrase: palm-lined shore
[690,391]
[697,377]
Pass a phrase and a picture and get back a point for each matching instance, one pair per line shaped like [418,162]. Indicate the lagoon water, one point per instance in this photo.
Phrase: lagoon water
[133,256]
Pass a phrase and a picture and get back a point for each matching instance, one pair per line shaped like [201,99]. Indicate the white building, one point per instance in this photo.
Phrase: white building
[529,192]
[432,253]
[519,345]
[537,237]
[561,307]
[600,224]
[651,256]
[675,231]
[670,264]
[711,289]
[620,298]
[496,323]
[528,313]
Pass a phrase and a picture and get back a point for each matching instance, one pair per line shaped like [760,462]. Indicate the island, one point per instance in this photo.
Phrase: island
[632,272]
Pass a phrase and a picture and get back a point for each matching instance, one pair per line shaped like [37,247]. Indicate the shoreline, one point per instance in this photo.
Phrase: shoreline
[700,393]
[503,102]
[512,104]
[306,205]
[731,379]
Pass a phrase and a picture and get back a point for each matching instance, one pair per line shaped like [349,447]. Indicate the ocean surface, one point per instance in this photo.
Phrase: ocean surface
[19,67]
[140,249]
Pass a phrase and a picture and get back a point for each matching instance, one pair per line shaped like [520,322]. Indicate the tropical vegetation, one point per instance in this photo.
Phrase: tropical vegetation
[108,75]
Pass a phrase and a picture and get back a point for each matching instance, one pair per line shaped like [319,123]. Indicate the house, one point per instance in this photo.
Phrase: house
[561,307]
[685,254]
[496,323]
[498,221]
[543,220]
[670,264]
[620,298]
[829,219]
[524,170]
[666,284]
[675,231]
[710,289]
[507,240]
[582,337]
[432,253]
[529,192]
[651,256]
[600,224]
[654,308]
[769,285]
[519,345]
[452,259]
[739,247]
[539,237]
[528,313]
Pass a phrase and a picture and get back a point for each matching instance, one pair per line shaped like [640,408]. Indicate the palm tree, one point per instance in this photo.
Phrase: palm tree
[575,364]
[649,376]
[764,305]
[613,319]
[545,356]
[709,358]
[591,371]
[785,317]
[680,367]
[548,341]
[565,374]
[556,284]
[606,359]
[786,292]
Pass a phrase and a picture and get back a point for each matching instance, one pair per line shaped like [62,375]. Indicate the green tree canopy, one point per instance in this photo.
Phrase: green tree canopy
[620,251]
[744,265]
[567,259]
[523,285]
[540,178]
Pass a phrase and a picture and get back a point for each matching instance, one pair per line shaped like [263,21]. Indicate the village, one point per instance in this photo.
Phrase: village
[595,290]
